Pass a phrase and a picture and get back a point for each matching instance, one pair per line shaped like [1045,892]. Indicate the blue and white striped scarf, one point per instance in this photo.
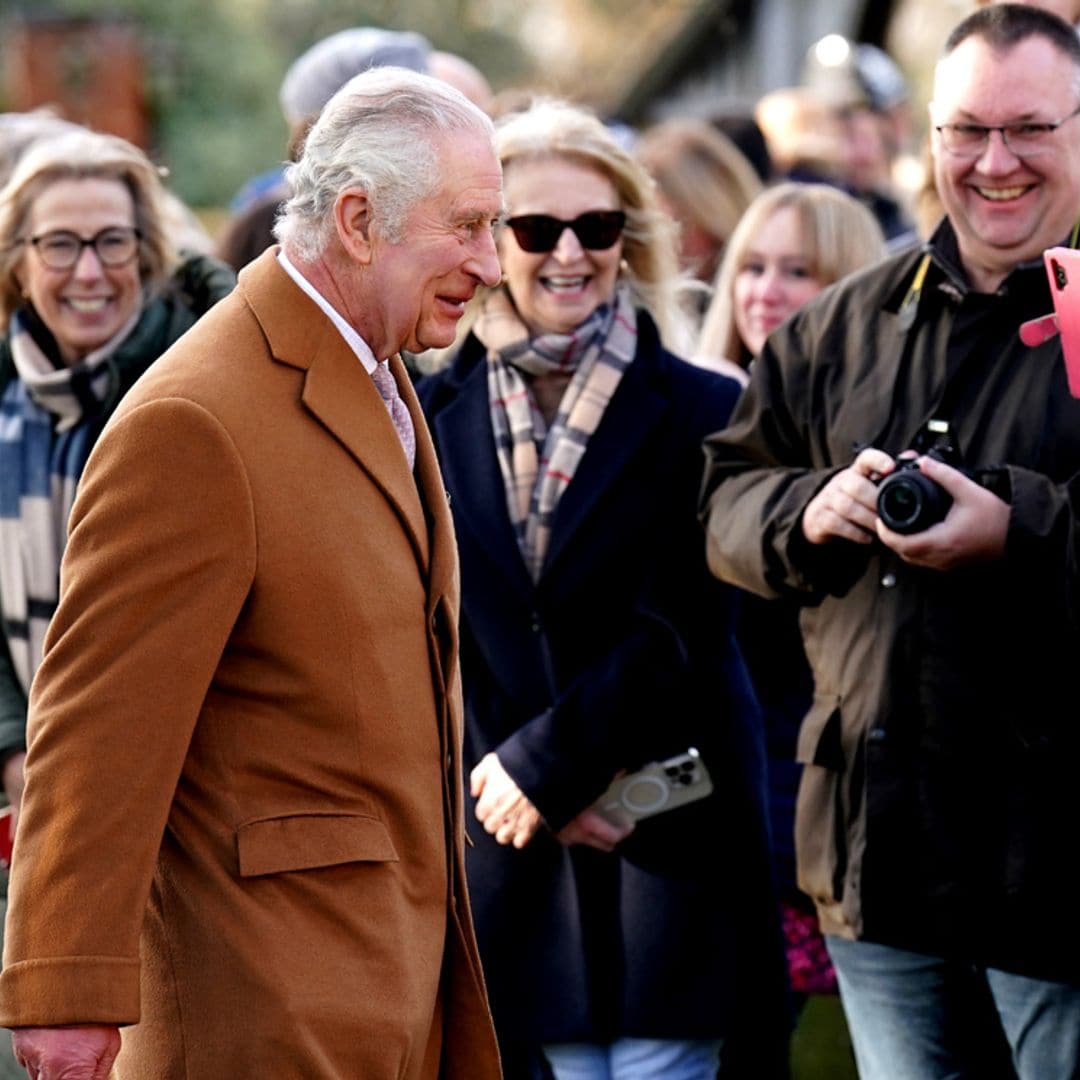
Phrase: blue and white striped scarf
[46,432]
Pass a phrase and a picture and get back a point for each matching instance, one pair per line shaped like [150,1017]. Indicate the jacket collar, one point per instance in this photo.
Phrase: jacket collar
[947,273]
[341,396]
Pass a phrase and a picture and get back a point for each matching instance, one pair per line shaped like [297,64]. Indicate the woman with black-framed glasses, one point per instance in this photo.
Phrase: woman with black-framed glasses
[91,293]
[595,641]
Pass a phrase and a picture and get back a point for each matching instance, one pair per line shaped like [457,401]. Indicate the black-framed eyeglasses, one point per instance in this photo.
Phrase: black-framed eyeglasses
[61,250]
[596,230]
[1025,138]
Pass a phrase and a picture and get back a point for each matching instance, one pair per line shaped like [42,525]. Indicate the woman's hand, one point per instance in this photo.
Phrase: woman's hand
[595,831]
[501,807]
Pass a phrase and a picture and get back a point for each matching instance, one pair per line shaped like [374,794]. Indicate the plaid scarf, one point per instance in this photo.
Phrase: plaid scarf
[45,440]
[537,463]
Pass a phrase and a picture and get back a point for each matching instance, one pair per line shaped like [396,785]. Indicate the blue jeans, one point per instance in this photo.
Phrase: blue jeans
[635,1059]
[917,1017]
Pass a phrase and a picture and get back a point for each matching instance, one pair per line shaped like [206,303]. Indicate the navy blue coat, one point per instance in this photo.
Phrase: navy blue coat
[621,654]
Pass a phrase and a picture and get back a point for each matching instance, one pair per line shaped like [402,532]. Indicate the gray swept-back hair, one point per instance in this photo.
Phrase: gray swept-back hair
[378,133]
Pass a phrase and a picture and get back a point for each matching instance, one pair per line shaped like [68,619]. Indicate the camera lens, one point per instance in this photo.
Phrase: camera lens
[899,506]
[909,502]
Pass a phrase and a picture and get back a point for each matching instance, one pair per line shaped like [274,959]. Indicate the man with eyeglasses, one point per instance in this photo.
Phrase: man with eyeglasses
[936,819]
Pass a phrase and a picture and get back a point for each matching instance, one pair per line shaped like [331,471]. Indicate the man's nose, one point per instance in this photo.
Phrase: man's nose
[996,156]
[486,266]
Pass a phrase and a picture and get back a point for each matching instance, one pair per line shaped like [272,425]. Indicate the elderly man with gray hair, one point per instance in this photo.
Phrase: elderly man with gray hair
[241,837]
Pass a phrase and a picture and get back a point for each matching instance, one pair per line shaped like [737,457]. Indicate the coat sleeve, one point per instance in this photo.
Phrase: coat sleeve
[160,559]
[761,471]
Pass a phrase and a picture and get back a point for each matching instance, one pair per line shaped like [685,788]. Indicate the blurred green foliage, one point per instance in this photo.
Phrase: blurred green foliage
[213,68]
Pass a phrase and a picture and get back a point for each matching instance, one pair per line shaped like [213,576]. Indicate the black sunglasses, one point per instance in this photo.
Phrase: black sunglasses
[596,230]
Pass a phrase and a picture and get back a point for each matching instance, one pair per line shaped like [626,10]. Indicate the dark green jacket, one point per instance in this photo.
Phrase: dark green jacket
[937,809]
[198,283]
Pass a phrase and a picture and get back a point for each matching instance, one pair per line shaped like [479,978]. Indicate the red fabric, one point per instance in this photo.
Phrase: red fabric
[809,967]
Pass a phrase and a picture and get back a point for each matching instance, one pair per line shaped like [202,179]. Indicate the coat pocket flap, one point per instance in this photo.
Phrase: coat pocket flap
[306,841]
[819,737]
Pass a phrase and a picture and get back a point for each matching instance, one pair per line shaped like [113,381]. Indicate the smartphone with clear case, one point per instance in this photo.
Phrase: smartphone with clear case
[656,788]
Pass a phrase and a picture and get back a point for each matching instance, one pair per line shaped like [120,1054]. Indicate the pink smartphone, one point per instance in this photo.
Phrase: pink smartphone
[1063,269]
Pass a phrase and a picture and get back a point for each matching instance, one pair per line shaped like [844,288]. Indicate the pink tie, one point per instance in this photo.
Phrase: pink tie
[399,413]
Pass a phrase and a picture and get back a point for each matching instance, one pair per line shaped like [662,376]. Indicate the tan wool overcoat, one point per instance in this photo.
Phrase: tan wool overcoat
[243,824]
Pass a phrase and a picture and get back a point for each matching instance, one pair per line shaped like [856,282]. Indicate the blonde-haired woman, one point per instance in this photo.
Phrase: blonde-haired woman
[793,241]
[595,641]
[91,293]
[705,183]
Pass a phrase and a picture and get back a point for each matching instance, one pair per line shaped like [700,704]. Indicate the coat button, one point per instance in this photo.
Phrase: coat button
[888,581]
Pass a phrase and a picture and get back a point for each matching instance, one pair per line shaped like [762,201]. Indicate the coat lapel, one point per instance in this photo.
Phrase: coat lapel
[632,414]
[473,478]
[337,390]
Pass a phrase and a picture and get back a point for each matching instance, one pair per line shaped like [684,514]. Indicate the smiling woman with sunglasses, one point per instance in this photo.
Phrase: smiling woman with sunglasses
[594,640]
[91,292]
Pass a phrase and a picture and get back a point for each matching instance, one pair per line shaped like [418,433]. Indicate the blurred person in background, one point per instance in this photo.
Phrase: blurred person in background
[736,120]
[594,640]
[463,76]
[93,292]
[803,137]
[704,183]
[311,80]
[868,101]
[20,131]
[793,241]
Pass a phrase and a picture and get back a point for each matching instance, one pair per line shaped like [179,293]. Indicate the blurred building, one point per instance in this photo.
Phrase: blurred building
[90,69]
[738,50]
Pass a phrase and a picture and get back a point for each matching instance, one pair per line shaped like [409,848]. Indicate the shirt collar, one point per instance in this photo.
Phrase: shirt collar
[352,338]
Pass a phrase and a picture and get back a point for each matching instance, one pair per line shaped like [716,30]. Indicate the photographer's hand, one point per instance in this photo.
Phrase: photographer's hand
[974,529]
[846,507]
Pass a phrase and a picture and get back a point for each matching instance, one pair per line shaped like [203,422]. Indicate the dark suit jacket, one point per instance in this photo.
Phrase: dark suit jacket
[621,654]
[244,737]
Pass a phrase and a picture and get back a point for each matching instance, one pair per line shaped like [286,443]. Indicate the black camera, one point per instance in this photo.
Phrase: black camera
[908,501]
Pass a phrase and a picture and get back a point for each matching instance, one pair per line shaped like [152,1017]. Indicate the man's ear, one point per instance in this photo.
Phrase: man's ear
[352,218]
